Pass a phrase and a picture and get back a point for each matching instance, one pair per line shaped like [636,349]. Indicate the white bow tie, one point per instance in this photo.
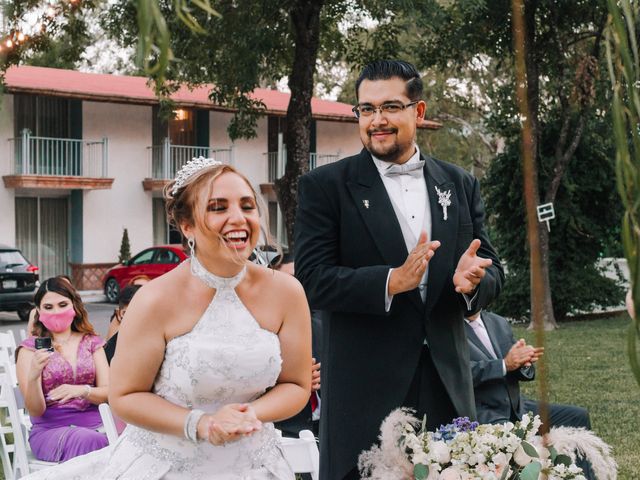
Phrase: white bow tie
[413,169]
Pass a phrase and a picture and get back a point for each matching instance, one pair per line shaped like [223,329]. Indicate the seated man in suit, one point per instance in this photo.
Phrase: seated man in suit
[498,364]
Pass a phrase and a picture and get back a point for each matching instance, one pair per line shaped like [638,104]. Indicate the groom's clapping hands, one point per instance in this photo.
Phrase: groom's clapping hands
[408,276]
[470,269]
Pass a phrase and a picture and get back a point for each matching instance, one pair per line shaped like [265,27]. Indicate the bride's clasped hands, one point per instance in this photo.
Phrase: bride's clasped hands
[230,423]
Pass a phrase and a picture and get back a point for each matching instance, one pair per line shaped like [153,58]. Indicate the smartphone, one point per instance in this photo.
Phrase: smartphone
[44,342]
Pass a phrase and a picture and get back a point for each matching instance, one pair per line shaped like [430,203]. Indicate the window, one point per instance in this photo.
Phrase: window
[9,258]
[166,257]
[144,257]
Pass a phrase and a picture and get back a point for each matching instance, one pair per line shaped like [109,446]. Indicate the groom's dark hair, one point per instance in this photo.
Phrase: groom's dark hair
[387,69]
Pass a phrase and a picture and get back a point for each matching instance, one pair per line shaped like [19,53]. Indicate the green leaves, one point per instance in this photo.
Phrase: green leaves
[420,472]
[529,449]
[531,471]
[624,71]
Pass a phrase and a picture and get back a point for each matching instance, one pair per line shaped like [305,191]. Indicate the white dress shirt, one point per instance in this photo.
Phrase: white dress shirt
[409,195]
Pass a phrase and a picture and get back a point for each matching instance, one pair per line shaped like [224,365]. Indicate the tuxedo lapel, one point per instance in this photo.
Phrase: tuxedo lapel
[374,205]
[471,335]
[446,231]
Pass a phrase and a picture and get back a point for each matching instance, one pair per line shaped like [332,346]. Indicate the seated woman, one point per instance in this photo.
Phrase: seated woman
[63,387]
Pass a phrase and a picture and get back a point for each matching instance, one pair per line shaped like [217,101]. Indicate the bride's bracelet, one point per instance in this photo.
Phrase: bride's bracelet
[191,425]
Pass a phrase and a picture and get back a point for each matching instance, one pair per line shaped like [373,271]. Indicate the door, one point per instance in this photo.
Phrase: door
[42,233]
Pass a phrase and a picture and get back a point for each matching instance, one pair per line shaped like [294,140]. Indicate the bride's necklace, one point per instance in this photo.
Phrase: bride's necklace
[214,281]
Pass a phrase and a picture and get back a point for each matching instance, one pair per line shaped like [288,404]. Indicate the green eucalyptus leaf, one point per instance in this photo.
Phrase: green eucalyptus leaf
[531,471]
[553,453]
[529,449]
[420,472]
[563,459]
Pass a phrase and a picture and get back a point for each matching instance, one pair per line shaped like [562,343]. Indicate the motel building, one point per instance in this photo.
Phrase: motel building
[84,156]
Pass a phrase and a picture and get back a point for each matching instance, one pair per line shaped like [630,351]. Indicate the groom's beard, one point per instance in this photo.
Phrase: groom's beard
[387,153]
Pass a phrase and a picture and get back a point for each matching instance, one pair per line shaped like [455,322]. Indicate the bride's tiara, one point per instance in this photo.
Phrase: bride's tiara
[191,167]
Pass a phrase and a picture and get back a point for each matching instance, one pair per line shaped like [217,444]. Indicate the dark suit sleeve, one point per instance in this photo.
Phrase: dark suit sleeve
[524,374]
[491,284]
[485,371]
[328,285]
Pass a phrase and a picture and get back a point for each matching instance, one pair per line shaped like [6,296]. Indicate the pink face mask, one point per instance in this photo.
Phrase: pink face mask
[57,322]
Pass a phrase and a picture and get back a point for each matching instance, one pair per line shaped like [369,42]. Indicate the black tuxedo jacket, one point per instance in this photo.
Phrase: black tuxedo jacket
[347,238]
[497,396]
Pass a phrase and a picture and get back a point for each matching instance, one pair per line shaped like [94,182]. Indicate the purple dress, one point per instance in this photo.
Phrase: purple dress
[67,430]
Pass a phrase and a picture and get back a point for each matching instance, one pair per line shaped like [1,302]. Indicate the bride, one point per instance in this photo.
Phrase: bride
[211,353]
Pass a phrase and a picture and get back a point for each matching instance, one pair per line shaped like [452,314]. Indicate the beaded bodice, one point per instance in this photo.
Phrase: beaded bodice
[226,358]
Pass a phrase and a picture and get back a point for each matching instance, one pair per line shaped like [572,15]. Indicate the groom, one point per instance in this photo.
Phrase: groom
[391,245]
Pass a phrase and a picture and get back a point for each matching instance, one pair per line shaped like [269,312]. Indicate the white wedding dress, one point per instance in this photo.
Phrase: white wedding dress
[226,358]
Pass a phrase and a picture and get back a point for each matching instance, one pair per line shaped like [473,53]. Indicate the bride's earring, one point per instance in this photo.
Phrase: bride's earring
[192,246]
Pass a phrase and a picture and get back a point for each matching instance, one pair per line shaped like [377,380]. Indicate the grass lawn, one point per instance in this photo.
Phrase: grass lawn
[588,366]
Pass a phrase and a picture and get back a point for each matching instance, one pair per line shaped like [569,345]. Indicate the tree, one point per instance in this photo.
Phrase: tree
[563,47]
[584,230]
[125,247]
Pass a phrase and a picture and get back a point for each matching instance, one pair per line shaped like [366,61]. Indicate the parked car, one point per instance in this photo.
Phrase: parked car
[150,263]
[19,280]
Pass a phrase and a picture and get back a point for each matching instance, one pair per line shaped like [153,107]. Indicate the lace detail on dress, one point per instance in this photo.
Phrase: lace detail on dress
[214,281]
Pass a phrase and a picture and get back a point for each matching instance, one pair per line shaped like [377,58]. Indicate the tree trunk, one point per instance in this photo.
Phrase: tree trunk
[305,21]
[546,303]
[541,302]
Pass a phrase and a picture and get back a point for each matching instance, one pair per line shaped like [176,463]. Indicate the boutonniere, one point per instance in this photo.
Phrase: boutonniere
[444,199]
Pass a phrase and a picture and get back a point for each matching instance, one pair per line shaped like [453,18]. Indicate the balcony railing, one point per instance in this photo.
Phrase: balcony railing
[58,156]
[319,159]
[276,162]
[166,159]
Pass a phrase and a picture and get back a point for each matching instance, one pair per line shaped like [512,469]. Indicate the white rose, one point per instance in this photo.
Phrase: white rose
[440,452]
[521,457]
[499,459]
[420,458]
[451,473]
[434,474]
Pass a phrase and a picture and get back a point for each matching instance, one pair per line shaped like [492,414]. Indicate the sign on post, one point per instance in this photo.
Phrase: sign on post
[546,213]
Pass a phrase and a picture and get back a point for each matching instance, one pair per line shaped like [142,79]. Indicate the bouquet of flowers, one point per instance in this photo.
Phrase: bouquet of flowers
[465,450]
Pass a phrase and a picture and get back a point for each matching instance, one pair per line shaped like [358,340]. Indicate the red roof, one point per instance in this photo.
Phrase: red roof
[129,89]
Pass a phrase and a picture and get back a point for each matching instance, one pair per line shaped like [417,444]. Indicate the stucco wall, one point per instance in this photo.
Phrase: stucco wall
[248,154]
[340,138]
[7,203]
[126,204]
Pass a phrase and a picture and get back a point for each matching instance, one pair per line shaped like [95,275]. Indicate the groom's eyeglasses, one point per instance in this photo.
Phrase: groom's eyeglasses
[391,108]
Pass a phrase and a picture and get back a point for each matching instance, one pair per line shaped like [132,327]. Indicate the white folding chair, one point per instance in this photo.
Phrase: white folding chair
[8,365]
[23,334]
[23,460]
[8,342]
[108,422]
[302,453]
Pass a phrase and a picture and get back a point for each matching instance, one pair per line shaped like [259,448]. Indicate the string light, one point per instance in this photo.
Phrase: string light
[16,37]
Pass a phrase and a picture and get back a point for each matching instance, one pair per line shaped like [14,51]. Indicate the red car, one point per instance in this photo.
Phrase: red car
[150,263]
